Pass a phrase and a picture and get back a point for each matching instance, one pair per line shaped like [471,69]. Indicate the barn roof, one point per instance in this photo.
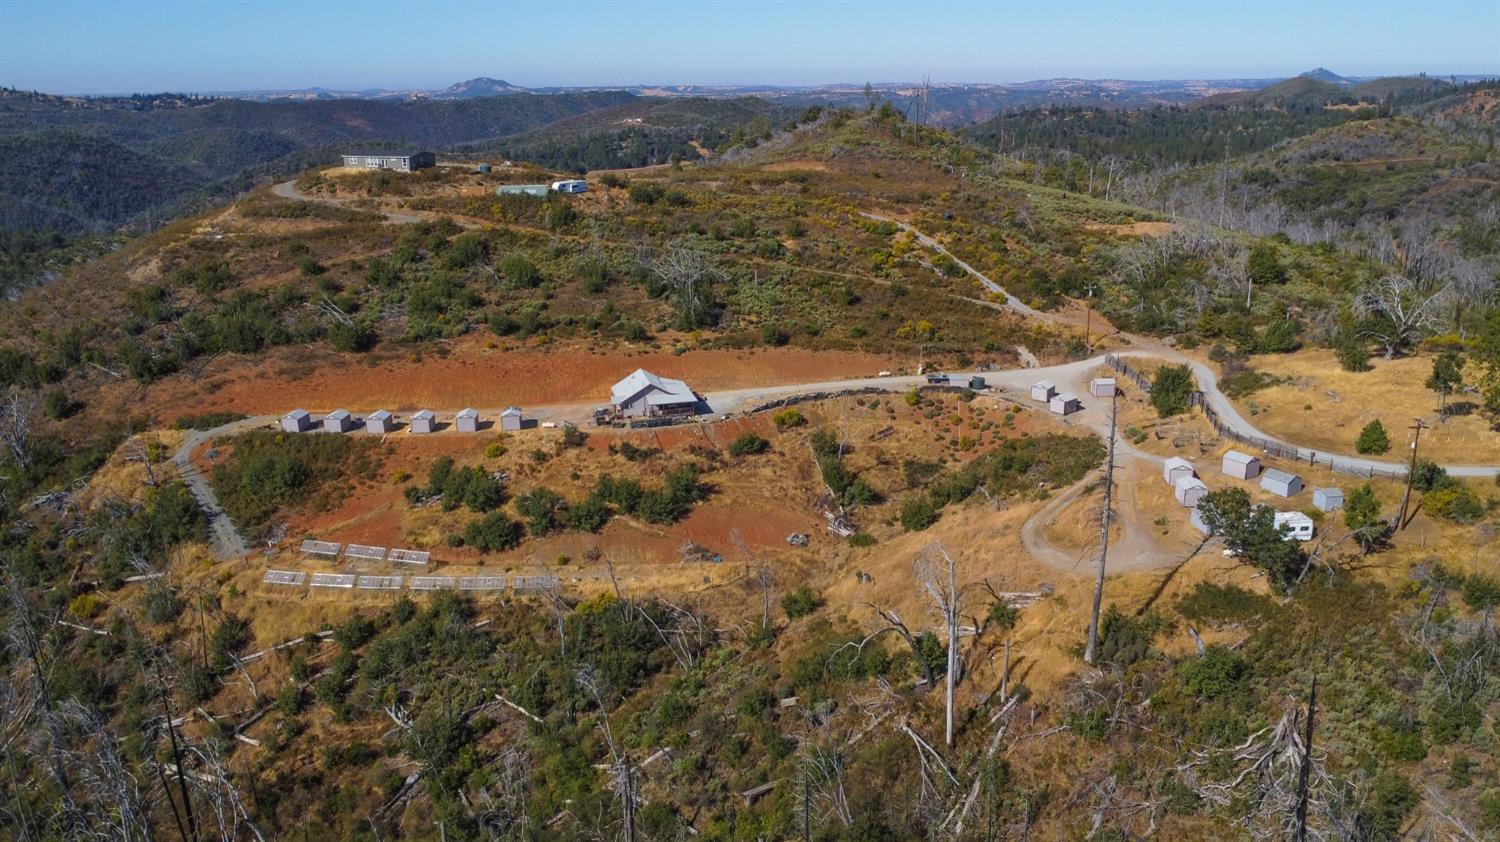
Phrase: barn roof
[1236,456]
[509,411]
[1182,483]
[387,153]
[423,414]
[668,391]
[1278,476]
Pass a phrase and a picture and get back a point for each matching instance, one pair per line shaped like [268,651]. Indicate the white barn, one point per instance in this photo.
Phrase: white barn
[645,395]
[1176,467]
[467,421]
[296,421]
[380,422]
[1298,526]
[1280,483]
[1064,404]
[1240,465]
[1189,490]
[1043,390]
[338,421]
[1328,499]
[1102,387]
[423,421]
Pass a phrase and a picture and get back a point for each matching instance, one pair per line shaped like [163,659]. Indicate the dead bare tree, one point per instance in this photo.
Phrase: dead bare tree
[1397,308]
[623,777]
[1091,651]
[16,414]
[688,273]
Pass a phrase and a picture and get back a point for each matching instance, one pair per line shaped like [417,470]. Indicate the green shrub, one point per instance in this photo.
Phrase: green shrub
[917,513]
[789,418]
[494,533]
[1456,502]
[862,539]
[747,444]
[542,508]
[1373,439]
[800,602]
[1171,390]
[1218,674]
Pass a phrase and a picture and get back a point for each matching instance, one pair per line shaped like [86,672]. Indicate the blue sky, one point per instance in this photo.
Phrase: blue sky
[91,47]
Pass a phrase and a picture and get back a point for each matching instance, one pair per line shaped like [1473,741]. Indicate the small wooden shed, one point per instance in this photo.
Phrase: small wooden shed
[379,421]
[1328,499]
[1189,490]
[1280,483]
[1043,390]
[338,421]
[423,421]
[1064,404]
[1176,467]
[1240,465]
[511,418]
[297,421]
[1102,387]
[467,421]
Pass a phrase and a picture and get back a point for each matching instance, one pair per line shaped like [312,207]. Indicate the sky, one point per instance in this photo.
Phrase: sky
[68,46]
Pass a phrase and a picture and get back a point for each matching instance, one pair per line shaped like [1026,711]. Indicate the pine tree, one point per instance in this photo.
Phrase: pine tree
[1373,439]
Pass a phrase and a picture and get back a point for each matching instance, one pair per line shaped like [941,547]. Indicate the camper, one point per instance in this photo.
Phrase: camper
[572,185]
[1296,525]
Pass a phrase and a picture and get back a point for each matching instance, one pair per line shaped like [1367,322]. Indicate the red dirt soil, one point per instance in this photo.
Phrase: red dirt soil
[486,377]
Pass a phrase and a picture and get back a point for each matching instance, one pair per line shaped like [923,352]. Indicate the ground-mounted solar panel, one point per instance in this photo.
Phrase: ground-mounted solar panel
[285,577]
[379,583]
[537,583]
[365,551]
[409,556]
[432,583]
[327,548]
[332,580]
[481,583]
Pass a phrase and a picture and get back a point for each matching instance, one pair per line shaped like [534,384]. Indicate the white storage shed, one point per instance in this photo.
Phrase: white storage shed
[423,421]
[379,422]
[1189,490]
[338,421]
[1043,390]
[1064,404]
[1328,499]
[1102,387]
[467,421]
[511,418]
[1240,465]
[297,421]
[1176,467]
[1280,483]
[1298,526]
[1196,519]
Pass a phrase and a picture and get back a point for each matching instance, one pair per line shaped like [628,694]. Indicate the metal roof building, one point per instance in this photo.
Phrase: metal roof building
[296,421]
[1189,490]
[1328,499]
[1280,483]
[512,418]
[1176,467]
[338,421]
[1064,404]
[642,394]
[1240,465]
[1102,387]
[404,161]
[467,421]
[379,421]
[1043,390]
[422,421]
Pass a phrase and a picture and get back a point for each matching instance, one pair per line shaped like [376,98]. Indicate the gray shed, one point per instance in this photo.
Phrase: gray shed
[1043,390]
[296,421]
[1064,404]
[1280,483]
[511,418]
[467,421]
[379,421]
[1240,465]
[1196,519]
[338,421]
[1189,490]
[1328,499]
[422,421]
[1102,387]
[1176,467]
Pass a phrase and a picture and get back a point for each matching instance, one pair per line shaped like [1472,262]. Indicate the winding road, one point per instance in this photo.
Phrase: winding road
[1071,376]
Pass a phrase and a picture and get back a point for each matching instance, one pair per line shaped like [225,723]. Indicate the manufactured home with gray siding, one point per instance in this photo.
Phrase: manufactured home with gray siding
[398,161]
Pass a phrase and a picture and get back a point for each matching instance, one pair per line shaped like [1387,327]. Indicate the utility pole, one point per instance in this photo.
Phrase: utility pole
[1411,470]
[1088,320]
[1091,653]
[1305,772]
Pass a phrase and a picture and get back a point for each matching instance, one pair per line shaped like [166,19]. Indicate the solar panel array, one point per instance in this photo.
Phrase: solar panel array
[284,577]
[327,548]
[432,583]
[332,580]
[537,583]
[365,551]
[409,556]
[380,583]
[482,583]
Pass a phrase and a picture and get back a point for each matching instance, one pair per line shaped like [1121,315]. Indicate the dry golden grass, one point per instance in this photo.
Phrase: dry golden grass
[1324,407]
